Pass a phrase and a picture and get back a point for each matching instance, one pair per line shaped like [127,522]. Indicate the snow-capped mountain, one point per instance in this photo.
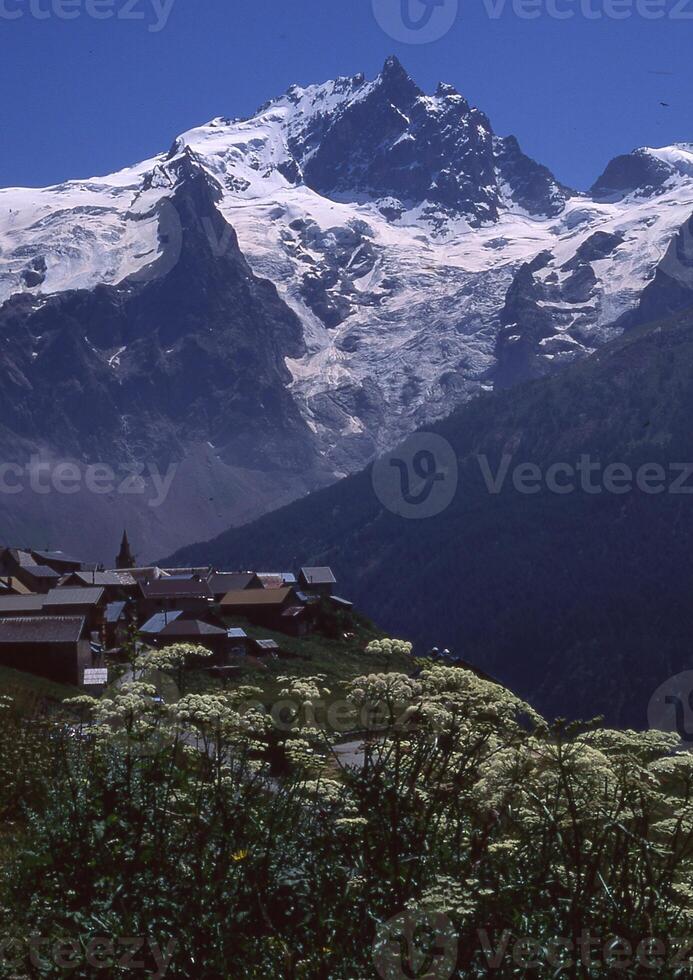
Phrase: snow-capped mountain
[275,299]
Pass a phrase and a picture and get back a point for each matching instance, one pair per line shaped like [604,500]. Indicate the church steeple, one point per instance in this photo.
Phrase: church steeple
[125,557]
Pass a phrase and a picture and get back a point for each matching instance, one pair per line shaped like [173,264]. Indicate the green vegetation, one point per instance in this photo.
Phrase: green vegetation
[339,660]
[464,818]
[31,694]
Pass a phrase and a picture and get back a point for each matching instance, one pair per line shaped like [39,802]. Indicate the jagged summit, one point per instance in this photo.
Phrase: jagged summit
[386,140]
[273,300]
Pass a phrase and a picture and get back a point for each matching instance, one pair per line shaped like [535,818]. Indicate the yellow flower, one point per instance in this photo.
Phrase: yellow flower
[239,856]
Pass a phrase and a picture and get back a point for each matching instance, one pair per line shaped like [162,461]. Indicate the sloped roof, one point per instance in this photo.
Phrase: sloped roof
[172,587]
[146,571]
[59,556]
[191,627]
[276,580]
[203,571]
[267,644]
[41,629]
[293,611]
[338,601]
[21,603]
[160,620]
[114,610]
[256,597]
[318,575]
[21,556]
[74,597]
[103,579]
[223,582]
[40,571]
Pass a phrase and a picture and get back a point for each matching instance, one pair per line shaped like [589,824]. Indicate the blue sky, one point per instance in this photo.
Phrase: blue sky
[86,96]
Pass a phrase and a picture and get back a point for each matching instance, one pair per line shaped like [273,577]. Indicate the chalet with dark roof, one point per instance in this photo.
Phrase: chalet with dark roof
[54,647]
[22,565]
[60,562]
[117,585]
[189,595]
[12,606]
[87,602]
[175,626]
[222,583]
[276,609]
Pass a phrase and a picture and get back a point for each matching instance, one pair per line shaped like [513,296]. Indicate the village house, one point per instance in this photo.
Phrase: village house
[12,606]
[220,583]
[168,627]
[88,603]
[189,595]
[197,633]
[265,607]
[276,580]
[117,621]
[57,560]
[317,580]
[54,647]
[239,642]
[156,623]
[21,565]
[117,585]
[265,648]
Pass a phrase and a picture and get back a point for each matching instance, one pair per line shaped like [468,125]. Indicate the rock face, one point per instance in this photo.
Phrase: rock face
[631,172]
[136,374]
[390,140]
[274,300]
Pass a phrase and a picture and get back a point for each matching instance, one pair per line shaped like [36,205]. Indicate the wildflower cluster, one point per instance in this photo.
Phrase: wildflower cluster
[271,852]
